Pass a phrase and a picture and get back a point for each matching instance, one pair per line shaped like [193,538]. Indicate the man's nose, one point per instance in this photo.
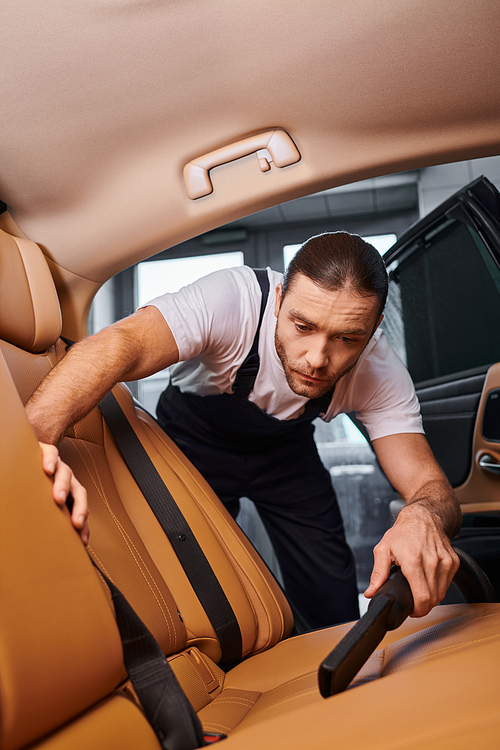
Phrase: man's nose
[317,356]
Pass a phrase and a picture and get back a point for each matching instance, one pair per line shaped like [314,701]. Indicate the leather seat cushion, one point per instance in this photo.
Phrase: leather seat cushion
[285,679]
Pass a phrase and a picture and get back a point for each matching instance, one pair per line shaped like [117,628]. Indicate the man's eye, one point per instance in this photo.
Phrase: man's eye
[302,327]
[346,340]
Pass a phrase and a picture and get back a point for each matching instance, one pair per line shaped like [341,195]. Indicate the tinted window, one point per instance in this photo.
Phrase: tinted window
[443,311]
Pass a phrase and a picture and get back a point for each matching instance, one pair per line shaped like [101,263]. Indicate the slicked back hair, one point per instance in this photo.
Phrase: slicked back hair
[340,261]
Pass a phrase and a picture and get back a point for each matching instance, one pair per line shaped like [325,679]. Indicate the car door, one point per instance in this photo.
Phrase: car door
[443,319]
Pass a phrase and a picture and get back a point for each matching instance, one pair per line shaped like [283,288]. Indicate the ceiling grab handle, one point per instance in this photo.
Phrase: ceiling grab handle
[281,148]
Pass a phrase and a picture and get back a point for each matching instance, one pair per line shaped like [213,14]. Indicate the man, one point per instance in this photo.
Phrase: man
[320,352]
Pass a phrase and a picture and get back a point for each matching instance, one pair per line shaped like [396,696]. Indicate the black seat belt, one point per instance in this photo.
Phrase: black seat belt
[185,545]
[165,703]
[247,373]
[163,700]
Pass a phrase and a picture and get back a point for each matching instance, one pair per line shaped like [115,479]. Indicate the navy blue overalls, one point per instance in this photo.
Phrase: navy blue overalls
[244,452]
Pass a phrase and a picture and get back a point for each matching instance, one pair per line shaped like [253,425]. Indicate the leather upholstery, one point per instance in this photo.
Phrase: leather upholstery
[30,316]
[60,655]
[60,651]
[125,533]
[259,690]
[263,614]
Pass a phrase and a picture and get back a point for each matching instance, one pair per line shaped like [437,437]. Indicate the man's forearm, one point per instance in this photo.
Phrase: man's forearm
[410,466]
[89,370]
[419,541]
[438,497]
[130,349]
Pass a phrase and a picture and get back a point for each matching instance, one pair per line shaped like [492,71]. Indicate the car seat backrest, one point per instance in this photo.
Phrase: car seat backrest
[256,599]
[30,316]
[60,651]
[126,539]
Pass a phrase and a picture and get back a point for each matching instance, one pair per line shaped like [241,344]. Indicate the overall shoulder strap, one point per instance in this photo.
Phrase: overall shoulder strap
[247,373]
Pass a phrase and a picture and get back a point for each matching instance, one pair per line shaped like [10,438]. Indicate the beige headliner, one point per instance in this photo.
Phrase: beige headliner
[105,101]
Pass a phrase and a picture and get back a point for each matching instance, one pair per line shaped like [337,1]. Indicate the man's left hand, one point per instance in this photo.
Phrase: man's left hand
[419,540]
[423,551]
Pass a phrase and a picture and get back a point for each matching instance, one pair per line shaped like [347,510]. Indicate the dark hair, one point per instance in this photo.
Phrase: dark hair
[339,260]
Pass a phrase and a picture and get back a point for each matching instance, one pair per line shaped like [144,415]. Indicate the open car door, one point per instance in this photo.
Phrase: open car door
[442,318]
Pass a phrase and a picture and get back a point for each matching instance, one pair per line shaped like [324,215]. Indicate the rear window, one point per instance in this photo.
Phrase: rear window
[443,310]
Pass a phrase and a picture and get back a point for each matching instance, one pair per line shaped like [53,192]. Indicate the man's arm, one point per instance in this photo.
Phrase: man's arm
[419,540]
[130,349]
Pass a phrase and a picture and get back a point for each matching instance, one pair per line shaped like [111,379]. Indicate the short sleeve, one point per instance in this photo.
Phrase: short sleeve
[210,316]
[382,393]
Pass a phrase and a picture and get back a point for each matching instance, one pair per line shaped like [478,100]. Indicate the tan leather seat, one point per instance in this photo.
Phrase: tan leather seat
[273,693]
[60,651]
[126,538]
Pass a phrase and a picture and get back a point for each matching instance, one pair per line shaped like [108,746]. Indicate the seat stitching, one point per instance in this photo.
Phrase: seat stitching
[101,565]
[444,649]
[465,619]
[221,541]
[228,694]
[312,691]
[123,532]
[291,682]
[143,569]
[242,572]
[233,701]
[305,635]
[214,725]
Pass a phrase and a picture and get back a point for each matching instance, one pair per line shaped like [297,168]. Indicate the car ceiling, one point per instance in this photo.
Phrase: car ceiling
[105,101]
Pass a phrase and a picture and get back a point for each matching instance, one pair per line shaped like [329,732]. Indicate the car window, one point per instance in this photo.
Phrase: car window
[444,303]
[157,277]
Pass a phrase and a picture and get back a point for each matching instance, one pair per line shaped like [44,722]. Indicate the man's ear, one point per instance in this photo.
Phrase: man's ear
[279,297]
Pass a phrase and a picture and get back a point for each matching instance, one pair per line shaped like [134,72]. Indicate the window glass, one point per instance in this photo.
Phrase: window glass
[444,304]
[381,242]
[156,277]
[288,253]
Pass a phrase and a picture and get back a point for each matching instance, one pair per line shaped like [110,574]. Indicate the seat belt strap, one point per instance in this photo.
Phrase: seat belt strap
[247,373]
[192,558]
[165,703]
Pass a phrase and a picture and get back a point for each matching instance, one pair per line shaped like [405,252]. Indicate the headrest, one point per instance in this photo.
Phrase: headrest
[30,316]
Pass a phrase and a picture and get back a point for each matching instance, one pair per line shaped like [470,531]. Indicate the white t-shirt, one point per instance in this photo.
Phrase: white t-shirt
[214,321]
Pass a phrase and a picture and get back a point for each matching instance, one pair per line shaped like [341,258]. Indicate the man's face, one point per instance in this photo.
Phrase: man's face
[321,334]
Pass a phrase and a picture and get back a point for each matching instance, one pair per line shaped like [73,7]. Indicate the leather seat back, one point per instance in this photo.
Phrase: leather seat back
[60,651]
[126,539]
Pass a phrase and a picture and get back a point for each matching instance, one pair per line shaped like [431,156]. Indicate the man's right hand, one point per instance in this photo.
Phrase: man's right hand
[65,483]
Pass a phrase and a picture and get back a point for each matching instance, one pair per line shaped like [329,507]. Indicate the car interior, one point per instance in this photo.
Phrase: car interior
[128,128]
[450,349]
